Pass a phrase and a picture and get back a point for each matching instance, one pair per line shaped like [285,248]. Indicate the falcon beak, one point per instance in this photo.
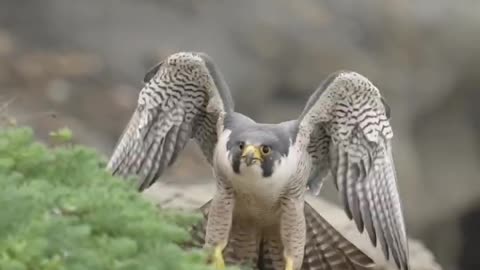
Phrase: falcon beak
[251,154]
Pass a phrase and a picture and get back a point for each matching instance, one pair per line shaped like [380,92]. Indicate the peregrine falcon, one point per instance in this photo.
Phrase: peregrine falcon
[258,215]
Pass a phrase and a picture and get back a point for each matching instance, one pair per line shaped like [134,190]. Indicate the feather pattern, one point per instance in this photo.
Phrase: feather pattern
[184,97]
[325,249]
[345,127]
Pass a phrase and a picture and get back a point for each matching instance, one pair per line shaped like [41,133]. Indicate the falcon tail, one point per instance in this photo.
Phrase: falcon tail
[325,249]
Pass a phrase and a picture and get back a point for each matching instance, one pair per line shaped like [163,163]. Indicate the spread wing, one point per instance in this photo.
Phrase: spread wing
[184,97]
[345,127]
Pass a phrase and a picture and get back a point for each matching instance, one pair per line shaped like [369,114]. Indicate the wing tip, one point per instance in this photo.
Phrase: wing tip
[152,71]
[348,74]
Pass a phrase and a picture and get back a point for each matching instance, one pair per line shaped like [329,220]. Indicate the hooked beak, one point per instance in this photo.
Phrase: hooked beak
[251,154]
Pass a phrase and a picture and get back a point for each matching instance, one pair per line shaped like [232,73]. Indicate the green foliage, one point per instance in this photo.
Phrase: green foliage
[62,135]
[59,209]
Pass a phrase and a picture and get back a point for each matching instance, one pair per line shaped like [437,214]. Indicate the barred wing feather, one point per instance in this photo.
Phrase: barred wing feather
[184,97]
[345,127]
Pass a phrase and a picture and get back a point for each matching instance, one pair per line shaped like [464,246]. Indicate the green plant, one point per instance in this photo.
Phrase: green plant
[60,209]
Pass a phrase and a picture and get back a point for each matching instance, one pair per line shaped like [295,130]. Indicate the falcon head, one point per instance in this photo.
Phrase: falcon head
[261,149]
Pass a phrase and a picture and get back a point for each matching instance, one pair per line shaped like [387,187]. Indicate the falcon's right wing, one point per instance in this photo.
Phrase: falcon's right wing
[184,97]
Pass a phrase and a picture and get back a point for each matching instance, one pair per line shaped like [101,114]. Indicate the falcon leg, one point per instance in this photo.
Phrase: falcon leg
[289,263]
[219,224]
[292,231]
[218,260]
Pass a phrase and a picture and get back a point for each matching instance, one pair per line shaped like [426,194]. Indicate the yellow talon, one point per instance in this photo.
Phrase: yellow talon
[288,263]
[218,258]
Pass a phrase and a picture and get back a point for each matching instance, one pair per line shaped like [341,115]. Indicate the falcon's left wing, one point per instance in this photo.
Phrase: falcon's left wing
[345,127]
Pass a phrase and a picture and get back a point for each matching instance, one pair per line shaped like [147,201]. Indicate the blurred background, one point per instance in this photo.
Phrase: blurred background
[80,64]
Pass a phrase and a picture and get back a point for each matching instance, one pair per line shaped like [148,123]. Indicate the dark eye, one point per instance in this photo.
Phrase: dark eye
[266,150]
[240,145]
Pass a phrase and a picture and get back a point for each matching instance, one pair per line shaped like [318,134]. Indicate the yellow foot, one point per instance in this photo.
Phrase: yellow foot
[218,258]
[288,263]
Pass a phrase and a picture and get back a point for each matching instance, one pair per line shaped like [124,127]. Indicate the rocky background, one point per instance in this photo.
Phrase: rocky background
[80,64]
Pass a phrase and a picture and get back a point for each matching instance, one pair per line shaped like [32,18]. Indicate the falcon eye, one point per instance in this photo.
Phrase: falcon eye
[266,150]
[241,145]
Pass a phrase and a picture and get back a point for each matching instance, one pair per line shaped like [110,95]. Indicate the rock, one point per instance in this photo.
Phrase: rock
[59,90]
[190,197]
[7,45]
[38,66]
